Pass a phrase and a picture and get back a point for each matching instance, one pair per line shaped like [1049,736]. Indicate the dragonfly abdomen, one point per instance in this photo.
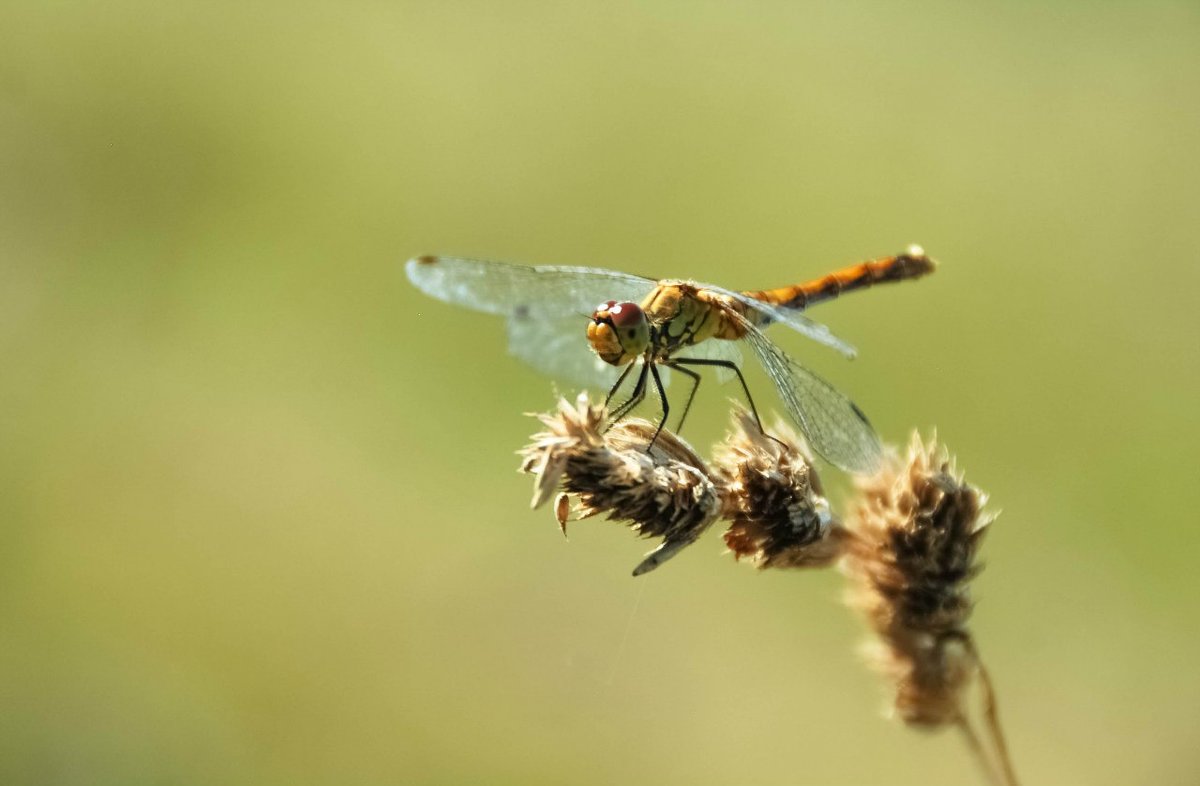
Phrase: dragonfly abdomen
[911,264]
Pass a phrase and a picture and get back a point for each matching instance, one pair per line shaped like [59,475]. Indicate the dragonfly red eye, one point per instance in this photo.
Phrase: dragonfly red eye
[626,315]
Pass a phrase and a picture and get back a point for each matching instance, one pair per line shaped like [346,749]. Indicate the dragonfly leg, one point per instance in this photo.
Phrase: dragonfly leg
[617,386]
[729,364]
[691,394]
[662,396]
[639,393]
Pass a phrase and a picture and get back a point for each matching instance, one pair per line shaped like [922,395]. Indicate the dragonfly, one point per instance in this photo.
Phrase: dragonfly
[555,325]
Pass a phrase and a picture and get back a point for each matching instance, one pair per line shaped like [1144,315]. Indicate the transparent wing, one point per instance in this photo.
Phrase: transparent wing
[833,425]
[546,306]
[559,348]
[764,314]
[536,292]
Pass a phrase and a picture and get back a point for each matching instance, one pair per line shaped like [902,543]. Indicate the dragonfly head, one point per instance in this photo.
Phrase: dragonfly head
[619,332]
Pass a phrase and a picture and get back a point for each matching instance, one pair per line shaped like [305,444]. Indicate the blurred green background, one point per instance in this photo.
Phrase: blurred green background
[260,517]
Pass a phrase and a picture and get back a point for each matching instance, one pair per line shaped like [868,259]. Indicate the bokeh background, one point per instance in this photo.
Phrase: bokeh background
[260,517]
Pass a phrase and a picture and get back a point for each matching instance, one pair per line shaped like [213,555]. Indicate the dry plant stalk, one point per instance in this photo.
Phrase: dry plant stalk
[916,530]
[909,550]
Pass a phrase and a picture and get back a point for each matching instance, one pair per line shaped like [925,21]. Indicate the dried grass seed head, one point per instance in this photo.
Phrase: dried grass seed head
[664,492]
[916,531]
[773,497]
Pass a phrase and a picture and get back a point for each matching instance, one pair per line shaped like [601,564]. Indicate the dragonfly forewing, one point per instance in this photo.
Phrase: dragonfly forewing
[532,291]
[544,306]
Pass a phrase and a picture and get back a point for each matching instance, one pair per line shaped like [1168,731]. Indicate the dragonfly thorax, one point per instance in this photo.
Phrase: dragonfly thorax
[619,332]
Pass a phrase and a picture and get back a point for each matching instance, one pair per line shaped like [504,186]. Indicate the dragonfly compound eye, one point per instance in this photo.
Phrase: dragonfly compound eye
[619,332]
[626,315]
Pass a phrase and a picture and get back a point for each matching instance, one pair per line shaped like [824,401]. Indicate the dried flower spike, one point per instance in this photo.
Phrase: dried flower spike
[914,537]
[665,492]
[773,497]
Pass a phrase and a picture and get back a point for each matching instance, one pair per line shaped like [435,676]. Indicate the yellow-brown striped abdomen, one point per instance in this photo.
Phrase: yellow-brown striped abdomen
[911,264]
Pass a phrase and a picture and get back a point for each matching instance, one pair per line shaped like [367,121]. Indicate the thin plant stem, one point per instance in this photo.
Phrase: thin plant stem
[976,748]
[992,715]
